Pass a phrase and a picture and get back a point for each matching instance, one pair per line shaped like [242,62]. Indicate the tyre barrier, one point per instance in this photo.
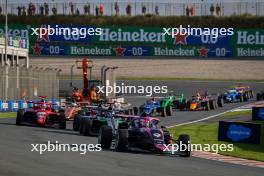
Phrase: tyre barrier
[14,105]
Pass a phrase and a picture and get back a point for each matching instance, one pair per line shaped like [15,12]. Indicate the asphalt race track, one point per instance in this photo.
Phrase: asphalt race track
[16,157]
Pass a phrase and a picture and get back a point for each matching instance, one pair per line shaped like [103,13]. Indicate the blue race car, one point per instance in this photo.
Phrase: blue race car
[232,96]
[152,108]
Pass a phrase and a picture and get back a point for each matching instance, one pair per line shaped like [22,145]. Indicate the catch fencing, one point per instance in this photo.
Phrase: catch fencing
[173,8]
[28,83]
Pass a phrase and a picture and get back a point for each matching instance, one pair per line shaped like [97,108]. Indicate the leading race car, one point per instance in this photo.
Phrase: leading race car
[143,134]
[260,96]
[238,94]
[41,114]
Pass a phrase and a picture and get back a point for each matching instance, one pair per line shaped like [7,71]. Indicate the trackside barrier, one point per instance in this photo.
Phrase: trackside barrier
[14,105]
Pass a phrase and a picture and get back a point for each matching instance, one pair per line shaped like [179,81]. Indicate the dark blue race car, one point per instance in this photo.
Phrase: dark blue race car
[232,96]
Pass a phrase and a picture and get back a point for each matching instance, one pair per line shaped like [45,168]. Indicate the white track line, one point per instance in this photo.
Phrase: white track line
[206,118]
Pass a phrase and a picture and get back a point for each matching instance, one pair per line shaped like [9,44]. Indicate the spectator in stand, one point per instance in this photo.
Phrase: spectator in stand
[41,10]
[19,11]
[77,12]
[101,9]
[33,9]
[212,10]
[54,10]
[46,7]
[87,9]
[187,11]
[218,10]
[71,7]
[128,10]
[29,9]
[144,9]
[24,13]
[156,10]
[96,10]
[192,10]
[116,8]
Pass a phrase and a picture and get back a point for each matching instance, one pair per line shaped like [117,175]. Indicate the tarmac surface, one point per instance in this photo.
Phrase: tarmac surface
[16,157]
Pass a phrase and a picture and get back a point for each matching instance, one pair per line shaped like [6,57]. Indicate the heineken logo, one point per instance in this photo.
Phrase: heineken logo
[15,32]
[173,52]
[246,38]
[90,51]
[136,36]
[250,52]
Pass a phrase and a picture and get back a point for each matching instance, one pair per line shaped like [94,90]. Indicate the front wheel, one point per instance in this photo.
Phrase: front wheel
[20,114]
[105,137]
[62,124]
[184,140]
[121,140]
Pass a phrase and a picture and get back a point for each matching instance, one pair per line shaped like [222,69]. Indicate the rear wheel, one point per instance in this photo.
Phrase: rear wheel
[220,101]
[169,110]
[76,123]
[62,117]
[207,106]
[241,98]
[258,96]
[163,112]
[20,114]
[105,137]
[185,140]
[135,109]
[121,140]
[87,127]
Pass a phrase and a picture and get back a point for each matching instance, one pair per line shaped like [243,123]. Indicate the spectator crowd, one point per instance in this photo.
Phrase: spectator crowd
[99,10]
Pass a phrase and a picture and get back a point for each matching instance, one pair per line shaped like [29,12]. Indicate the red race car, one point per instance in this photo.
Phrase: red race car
[41,114]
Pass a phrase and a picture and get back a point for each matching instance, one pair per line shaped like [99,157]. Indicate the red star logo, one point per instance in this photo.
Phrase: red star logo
[203,52]
[120,51]
[180,39]
[44,37]
[37,49]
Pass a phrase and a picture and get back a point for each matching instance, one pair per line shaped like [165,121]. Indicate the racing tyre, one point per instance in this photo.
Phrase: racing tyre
[82,120]
[220,101]
[241,98]
[169,110]
[20,114]
[105,137]
[76,123]
[185,139]
[245,96]
[251,94]
[258,96]
[121,140]
[62,123]
[212,104]
[87,127]
[163,112]
[135,109]
[207,106]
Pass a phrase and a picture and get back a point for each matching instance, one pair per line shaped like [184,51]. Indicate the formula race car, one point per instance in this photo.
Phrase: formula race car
[158,107]
[179,101]
[238,94]
[206,102]
[260,96]
[89,121]
[41,114]
[143,134]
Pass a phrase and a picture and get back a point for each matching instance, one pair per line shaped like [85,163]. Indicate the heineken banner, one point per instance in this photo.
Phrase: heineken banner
[141,41]
[126,50]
